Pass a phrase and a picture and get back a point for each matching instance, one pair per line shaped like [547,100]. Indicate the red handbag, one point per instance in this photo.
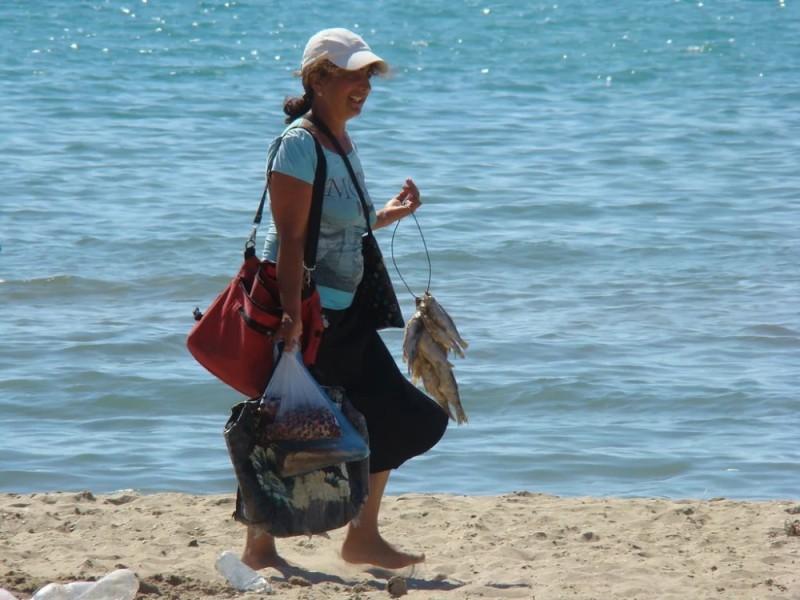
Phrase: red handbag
[233,339]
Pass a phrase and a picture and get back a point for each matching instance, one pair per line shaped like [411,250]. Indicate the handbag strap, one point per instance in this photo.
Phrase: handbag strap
[314,215]
[324,129]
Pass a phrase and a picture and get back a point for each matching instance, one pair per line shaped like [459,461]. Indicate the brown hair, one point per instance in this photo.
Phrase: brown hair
[296,107]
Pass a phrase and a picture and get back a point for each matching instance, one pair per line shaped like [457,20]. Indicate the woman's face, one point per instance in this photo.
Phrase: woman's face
[345,92]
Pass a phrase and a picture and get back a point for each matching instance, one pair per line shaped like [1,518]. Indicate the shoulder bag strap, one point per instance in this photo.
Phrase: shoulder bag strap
[314,216]
[324,129]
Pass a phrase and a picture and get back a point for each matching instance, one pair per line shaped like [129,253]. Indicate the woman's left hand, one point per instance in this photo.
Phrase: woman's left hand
[402,205]
[409,198]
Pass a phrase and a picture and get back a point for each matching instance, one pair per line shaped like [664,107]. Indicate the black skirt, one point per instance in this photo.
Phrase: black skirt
[402,421]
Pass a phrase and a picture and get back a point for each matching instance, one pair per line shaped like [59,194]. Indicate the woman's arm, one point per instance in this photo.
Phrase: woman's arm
[290,204]
[402,205]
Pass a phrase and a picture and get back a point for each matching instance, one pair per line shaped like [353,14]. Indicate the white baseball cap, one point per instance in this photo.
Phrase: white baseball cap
[343,48]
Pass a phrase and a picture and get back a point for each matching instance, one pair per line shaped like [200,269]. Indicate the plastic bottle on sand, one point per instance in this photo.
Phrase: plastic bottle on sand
[63,591]
[117,585]
[239,575]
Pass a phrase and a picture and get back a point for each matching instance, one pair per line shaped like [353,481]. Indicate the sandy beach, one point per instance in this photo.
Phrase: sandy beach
[520,545]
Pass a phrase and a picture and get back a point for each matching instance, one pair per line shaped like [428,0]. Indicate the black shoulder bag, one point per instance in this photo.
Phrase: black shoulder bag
[375,296]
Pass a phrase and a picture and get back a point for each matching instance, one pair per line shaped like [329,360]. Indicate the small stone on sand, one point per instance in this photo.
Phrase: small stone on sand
[396,586]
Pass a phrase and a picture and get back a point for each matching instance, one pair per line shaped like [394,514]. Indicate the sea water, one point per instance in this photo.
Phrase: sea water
[611,195]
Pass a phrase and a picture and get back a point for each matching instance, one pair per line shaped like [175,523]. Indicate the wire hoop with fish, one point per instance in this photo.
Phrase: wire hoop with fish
[430,336]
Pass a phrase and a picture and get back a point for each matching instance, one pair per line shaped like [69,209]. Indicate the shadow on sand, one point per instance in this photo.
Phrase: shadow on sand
[302,577]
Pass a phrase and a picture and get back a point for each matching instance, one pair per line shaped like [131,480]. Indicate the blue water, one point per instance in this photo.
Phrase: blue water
[611,206]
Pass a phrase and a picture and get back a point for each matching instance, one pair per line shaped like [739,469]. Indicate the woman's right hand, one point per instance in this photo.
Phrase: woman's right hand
[289,331]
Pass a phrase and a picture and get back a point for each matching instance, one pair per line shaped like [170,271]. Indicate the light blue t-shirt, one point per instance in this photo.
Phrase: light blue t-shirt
[340,264]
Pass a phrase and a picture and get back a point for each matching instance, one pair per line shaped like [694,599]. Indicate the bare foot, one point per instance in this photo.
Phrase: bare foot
[260,551]
[257,561]
[378,552]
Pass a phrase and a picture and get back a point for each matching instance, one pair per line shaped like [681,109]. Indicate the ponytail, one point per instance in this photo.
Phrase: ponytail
[297,107]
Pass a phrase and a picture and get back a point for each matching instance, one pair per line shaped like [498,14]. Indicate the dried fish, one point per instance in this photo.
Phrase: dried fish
[433,312]
[430,336]
[414,329]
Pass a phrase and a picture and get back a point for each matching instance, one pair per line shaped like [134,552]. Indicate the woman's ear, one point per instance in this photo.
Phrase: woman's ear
[314,79]
[316,83]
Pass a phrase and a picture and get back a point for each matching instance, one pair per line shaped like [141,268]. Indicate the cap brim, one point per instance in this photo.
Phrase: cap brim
[364,58]
[354,62]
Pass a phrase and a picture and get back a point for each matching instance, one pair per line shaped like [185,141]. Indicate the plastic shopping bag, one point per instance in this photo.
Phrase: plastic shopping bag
[302,411]
[298,458]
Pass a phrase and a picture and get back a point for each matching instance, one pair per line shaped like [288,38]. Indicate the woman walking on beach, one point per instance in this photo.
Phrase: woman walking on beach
[403,422]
